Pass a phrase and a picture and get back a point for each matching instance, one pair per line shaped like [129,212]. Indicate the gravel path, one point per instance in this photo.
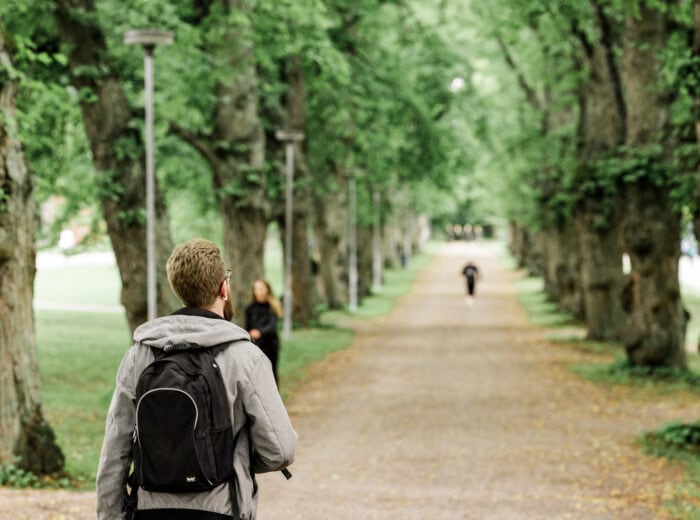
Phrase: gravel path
[444,410]
[448,411]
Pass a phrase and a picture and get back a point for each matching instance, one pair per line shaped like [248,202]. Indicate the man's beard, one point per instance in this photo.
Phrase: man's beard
[228,309]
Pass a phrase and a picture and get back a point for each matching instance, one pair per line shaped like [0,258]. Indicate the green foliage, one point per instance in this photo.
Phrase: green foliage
[622,372]
[631,165]
[675,436]
[540,311]
[13,476]
[679,442]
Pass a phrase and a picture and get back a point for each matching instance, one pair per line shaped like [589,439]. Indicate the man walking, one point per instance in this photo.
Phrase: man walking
[471,273]
[262,435]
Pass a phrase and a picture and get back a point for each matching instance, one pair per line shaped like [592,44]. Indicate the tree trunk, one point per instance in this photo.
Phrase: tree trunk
[602,279]
[234,148]
[561,268]
[329,239]
[601,131]
[391,234]
[655,332]
[364,262]
[377,254]
[303,285]
[330,227]
[696,106]
[525,249]
[109,127]
[24,433]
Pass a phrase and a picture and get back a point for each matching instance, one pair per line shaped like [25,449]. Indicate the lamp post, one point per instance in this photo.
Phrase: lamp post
[377,260]
[149,39]
[289,137]
[353,276]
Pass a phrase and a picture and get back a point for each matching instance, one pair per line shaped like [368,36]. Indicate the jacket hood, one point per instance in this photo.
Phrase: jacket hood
[198,331]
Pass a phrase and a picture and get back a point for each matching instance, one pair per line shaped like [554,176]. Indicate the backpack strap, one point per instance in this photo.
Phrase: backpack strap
[131,500]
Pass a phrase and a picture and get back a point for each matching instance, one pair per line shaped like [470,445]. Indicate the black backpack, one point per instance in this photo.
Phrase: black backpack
[183,437]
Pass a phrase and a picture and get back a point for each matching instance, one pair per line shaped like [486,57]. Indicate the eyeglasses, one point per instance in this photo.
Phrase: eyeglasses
[228,275]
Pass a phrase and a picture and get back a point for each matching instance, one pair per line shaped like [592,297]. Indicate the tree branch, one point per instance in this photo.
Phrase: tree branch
[530,93]
[196,141]
[607,39]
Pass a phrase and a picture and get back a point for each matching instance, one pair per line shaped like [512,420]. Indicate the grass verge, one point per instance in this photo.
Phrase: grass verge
[679,442]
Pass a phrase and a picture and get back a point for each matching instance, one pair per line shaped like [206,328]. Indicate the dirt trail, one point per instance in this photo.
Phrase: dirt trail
[444,410]
[448,411]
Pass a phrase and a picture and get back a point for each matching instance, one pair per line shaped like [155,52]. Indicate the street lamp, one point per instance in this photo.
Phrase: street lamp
[149,39]
[289,137]
[353,275]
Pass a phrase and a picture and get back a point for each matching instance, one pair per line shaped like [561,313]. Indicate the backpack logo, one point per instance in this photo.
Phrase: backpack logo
[183,437]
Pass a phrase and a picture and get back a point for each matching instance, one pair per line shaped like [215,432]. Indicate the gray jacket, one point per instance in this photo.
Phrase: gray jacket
[265,438]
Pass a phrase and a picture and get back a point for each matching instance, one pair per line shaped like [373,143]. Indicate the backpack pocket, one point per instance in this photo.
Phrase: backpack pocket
[166,442]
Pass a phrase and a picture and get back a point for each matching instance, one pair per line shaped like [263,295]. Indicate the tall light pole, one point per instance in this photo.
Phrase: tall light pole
[289,137]
[353,276]
[377,260]
[149,39]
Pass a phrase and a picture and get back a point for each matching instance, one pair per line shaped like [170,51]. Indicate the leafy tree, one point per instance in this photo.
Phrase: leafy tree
[112,127]
[26,434]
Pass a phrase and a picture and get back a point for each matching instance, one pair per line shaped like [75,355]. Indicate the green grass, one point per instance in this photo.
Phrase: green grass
[95,285]
[78,357]
[620,372]
[79,352]
[541,312]
[679,442]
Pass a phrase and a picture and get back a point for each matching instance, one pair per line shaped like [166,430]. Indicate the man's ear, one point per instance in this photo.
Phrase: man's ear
[223,291]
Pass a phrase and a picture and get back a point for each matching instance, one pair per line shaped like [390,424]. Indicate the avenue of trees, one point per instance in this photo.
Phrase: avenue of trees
[575,120]
[366,81]
[604,151]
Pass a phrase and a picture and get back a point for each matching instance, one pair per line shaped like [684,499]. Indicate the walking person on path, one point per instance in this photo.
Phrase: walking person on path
[471,273]
[261,322]
[262,439]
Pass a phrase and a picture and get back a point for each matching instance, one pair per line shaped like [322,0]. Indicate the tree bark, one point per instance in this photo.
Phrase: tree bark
[24,433]
[525,248]
[601,131]
[234,148]
[330,222]
[601,272]
[303,284]
[364,262]
[108,123]
[561,268]
[391,234]
[655,331]
[696,106]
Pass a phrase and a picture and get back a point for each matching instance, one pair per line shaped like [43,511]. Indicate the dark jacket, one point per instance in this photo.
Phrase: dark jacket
[261,316]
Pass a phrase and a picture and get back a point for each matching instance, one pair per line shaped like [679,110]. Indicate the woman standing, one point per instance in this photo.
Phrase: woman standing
[261,321]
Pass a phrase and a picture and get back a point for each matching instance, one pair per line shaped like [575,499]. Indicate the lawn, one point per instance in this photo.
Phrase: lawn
[79,352]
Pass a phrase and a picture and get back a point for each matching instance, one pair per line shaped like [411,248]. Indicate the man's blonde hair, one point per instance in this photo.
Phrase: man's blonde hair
[195,272]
